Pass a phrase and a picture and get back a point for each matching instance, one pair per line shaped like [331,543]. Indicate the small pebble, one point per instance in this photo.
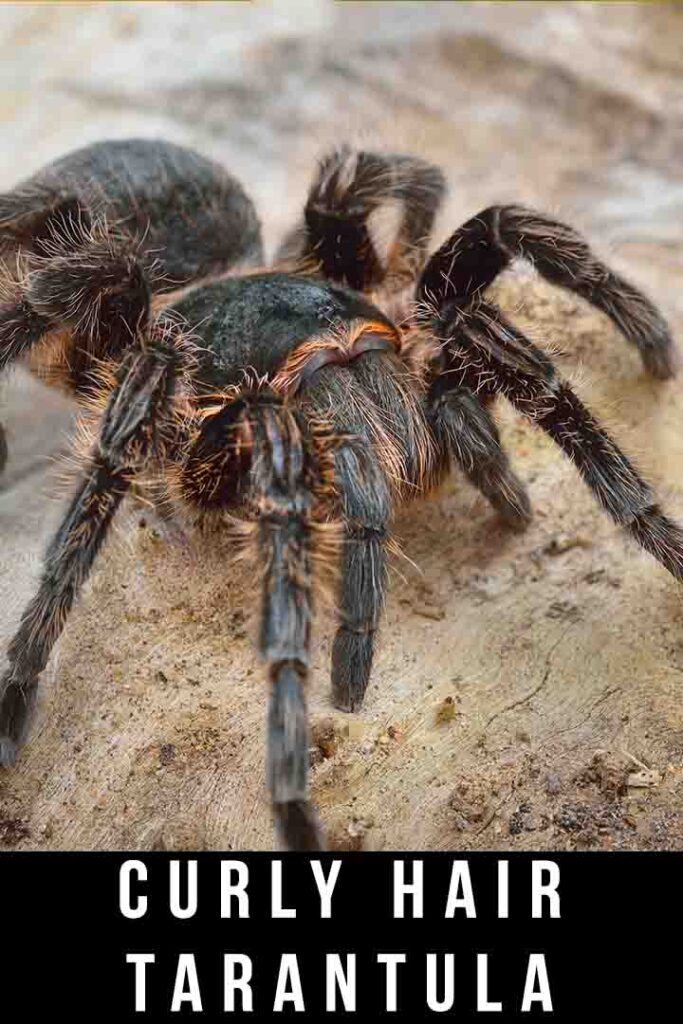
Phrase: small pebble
[446,711]
[553,783]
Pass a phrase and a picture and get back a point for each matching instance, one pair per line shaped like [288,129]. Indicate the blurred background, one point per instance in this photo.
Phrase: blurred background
[572,107]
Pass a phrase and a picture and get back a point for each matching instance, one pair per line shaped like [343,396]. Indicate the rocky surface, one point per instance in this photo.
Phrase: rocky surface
[527,691]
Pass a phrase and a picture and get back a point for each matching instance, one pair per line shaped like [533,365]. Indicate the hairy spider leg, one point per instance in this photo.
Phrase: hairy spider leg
[336,238]
[86,241]
[477,252]
[366,505]
[258,445]
[384,450]
[489,355]
[131,433]
[465,429]
[88,290]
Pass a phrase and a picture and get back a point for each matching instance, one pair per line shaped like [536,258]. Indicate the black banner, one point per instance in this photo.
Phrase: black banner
[406,937]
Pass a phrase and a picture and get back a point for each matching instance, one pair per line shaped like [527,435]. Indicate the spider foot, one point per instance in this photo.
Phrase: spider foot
[16,707]
[661,359]
[3,448]
[513,509]
[297,825]
[9,752]
[351,664]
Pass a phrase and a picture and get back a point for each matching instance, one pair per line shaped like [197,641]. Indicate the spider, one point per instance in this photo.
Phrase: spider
[289,397]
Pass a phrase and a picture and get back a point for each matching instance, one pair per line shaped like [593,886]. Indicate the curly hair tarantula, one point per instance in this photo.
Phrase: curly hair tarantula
[290,395]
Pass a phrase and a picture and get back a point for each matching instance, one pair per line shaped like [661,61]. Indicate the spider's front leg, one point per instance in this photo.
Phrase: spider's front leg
[479,250]
[366,505]
[137,416]
[384,444]
[83,286]
[256,448]
[486,354]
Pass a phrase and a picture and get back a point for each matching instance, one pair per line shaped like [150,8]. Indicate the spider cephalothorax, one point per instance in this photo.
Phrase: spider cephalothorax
[290,396]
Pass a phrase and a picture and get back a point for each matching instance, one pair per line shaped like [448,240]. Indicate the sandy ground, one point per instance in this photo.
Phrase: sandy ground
[527,690]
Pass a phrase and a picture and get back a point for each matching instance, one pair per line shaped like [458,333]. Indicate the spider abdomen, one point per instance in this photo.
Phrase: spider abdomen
[190,217]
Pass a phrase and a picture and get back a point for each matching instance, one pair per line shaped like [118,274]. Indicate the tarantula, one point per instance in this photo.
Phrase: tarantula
[290,395]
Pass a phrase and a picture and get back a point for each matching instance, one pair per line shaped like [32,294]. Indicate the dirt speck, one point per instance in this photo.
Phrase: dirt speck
[325,737]
[13,831]
[167,754]
[553,783]
[470,804]
[446,711]
[608,773]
